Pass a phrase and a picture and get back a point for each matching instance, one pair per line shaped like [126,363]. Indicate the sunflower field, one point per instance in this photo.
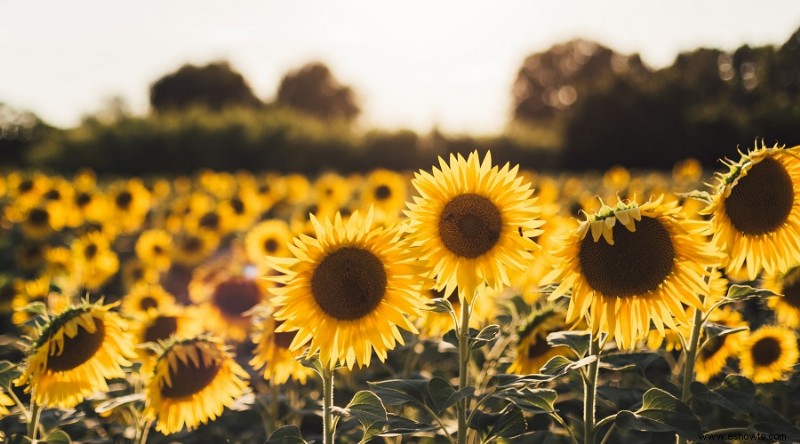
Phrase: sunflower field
[468,302]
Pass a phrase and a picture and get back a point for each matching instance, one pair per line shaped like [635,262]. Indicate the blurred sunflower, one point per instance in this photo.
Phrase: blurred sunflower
[272,354]
[29,256]
[769,354]
[713,356]
[268,238]
[129,204]
[35,290]
[787,307]
[94,259]
[145,297]
[153,249]
[228,299]
[134,273]
[332,190]
[472,223]
[347,291]
[74,354]
[192,382]
[386,191]
[241,209]
[755,211]
[191,248]
[42,220]
[5,402]
[627,274]
[155,326]
[533,351]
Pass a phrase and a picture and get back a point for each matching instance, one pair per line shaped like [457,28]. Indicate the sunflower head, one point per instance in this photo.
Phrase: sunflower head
[787,307]
[533,351]
[631,264]
[273,355]
[472,221]
[755,211]
[769,354]
[192,382]
[347,291]
[75,353]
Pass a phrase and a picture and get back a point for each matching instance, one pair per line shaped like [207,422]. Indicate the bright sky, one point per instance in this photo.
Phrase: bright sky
[413,63]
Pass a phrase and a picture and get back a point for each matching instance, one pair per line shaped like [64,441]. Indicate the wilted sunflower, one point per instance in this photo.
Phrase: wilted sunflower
[633,264]
[347,291]
[273,356]
[711,359]
[472,222]
[533,351]
[268,238]
[153,249]
[74,354]
[756,211]
[787,307]
[192,382]
[769,354]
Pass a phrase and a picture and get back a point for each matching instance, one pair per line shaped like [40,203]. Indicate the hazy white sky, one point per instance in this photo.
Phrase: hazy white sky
[413,63]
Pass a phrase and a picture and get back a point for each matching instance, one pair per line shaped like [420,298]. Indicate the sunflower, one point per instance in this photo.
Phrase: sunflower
[155,326]
[129,203]
[145,297]
[272,354]
[228,299]
[787,307]
[134,273]
[755,212]
[35,290]
[42,220]
[153,249]
[386,191]
[94,259]
[268,238]
[472,222]
[769,354]
[627,274]
[332,190]
[74,354]
[533,351]
[192,382]
[241,209]
[711,359]
[347,291]
[191,248]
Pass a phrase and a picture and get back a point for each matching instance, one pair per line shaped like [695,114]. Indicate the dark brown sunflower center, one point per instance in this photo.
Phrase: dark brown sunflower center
[162,328]
[270,245]
[148,302]
[38,217]
[78,349]
[766,351]
[52,195]
[349,283]
[192,244]
[188,379]
[124,200]
[470,225]
[538,348]
[210,220]
[762,200]
[25,186]
[637,263]
[283,339]
[83,199]
[791,294]
[382,192]
[90,251]
[236,295]
[714,345]
[158,250]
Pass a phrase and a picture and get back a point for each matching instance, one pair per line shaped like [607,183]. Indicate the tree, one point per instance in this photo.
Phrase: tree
[550,82]
[214,86]
[19,130]
[313,90]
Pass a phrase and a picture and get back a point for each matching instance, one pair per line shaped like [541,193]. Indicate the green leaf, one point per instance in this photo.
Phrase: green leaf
[660,412]
[484,336]
[509,423]
[736,393]
[57,436]
[442,395]
[560,365]
[288,434]
[577,341]
[702,196]
[439,305]
[531,400]
[397,425]
[113,403]
[397,392]
[738,292]
[8,373]
[36,309]
[368,409]
[714,330]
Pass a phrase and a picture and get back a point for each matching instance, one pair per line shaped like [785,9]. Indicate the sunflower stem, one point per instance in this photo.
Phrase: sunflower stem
[463,368]
[691,355]
[33,424]
[590,391]
[327,404]
[145,431]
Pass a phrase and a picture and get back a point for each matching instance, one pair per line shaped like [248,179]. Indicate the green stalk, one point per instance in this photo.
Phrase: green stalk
[327,404]
[590,391]
[691,356]
[33,424]
[463,366]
